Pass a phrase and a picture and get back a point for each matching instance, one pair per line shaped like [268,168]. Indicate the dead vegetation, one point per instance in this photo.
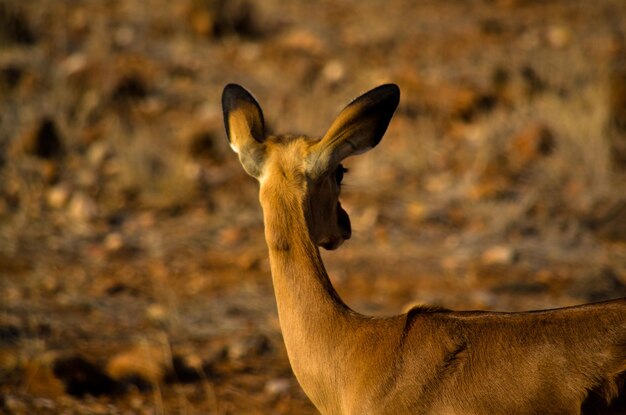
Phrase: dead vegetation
[133,272]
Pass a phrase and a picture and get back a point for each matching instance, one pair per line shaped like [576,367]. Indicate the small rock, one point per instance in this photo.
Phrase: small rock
[334,71]
[58,196]
[157,313]
[416,211]
[74,64]
[278,387]
[113,242]
[558,36]
[143,365]
[97,153]
[438,183]
[82,207]
[499,255]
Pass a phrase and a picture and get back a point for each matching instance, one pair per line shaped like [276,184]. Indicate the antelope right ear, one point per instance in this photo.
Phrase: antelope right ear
[245,128]
[358,128]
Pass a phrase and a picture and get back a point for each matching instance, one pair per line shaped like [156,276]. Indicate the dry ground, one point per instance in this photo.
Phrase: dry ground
[133,271]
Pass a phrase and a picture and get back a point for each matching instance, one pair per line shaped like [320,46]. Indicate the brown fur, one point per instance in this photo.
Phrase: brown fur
[429,360]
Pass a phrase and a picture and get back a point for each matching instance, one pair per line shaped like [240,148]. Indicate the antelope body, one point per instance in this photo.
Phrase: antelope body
[429,360]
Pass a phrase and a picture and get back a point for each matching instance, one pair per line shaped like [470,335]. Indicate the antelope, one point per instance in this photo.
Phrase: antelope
[428,360]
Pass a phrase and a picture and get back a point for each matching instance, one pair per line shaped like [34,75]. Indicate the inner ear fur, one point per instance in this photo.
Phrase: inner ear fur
[358,128]
[245,127]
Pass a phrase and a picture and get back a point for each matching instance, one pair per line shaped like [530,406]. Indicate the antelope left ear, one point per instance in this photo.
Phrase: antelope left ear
[245,129]
[359,127]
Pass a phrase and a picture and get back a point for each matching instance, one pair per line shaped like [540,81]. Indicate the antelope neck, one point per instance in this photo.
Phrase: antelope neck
[310,310]
[299,276]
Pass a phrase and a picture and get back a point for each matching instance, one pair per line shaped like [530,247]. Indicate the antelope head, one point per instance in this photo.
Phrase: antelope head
[308,167]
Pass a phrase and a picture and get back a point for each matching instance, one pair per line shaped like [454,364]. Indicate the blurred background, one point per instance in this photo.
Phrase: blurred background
[133,271]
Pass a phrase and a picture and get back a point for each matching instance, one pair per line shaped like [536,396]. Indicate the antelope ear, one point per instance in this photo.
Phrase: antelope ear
[245,129]
[359,127]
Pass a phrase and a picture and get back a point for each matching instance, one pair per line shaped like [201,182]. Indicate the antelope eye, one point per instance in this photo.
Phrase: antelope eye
[339,173]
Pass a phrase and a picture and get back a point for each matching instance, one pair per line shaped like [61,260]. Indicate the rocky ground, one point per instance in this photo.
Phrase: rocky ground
[133,272]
